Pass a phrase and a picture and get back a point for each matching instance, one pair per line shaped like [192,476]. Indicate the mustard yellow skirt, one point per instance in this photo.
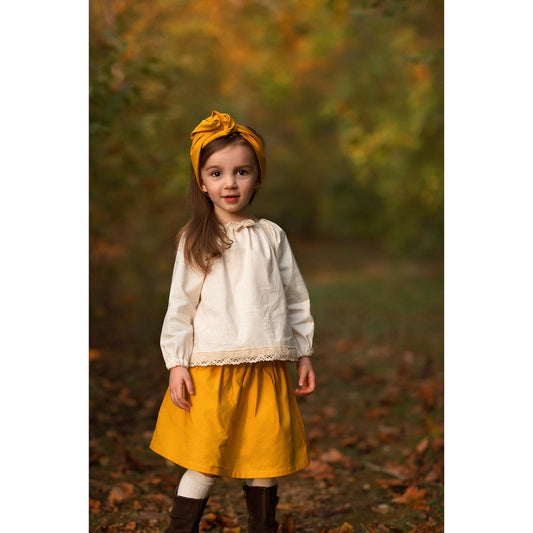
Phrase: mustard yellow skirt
[244,422]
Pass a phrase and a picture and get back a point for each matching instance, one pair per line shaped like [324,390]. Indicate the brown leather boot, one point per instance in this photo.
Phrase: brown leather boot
[185,515]
[261,503]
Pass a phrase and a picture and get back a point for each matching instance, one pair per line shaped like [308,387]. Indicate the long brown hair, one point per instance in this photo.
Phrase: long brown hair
[204,236]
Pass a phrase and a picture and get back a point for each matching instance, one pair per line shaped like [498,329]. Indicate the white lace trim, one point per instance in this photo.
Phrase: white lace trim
[254,355]
[239,361]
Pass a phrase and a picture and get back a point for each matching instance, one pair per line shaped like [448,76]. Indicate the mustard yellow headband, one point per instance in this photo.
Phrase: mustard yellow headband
[220,125]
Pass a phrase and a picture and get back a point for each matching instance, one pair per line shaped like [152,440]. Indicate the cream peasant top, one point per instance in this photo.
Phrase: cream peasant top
[253,306]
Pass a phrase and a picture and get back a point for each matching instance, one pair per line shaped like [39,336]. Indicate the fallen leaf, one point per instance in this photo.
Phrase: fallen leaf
[345,528]
[350,441]
[160,500]
[422,446]
[286,506]
[117,528]
[392,469]
[382,508]
[388,434]
[94,506]
[403,471]
[121,492]
[320,470]
[287,524]
[380,528]
[428,392]
[332,456]
[436,474]
[226,521]
[345,508]
[427,527]
[390,483]
[413,496]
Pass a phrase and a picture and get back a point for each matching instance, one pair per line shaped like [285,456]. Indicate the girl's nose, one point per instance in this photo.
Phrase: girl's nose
[230,181]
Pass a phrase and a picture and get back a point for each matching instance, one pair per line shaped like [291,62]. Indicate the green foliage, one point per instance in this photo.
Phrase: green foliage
[348,95]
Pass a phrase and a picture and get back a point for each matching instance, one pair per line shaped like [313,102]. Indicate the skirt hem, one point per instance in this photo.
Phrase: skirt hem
[220,471]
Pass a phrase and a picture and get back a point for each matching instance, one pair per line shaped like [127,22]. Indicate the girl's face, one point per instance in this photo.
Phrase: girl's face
[229,177]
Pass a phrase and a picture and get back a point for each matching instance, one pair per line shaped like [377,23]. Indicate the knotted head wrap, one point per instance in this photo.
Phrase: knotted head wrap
[220,125]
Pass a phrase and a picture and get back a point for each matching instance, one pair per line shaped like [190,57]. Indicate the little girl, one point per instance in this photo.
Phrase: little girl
[238,312]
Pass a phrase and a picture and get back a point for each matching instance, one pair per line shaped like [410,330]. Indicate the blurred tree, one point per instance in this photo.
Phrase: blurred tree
[348,95]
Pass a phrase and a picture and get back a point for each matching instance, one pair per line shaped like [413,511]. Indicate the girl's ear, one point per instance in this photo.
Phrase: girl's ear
[203,187]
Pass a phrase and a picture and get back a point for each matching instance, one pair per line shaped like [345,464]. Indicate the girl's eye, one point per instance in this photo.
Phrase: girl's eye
[215,173]
[242,172]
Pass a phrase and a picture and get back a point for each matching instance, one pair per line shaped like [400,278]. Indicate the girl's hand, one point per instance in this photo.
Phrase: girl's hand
[306,381]
[178,380]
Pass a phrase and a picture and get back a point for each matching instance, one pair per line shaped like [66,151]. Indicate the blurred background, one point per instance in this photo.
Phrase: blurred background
[347,94]
[349,98]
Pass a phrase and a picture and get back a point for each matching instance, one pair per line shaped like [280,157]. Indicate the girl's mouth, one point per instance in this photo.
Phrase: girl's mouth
[231,198]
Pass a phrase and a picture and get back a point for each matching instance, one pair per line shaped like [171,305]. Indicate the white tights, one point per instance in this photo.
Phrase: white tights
[198,486]
[195,485]
[261,482]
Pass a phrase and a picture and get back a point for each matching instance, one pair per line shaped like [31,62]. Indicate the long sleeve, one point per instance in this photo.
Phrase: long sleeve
[298,303]
[177,332]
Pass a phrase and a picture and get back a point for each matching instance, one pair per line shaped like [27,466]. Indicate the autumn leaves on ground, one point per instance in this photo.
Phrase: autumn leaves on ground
[374,425]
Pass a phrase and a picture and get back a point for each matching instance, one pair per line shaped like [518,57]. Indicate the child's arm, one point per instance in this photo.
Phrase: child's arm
[177,332]
[297,296]
[300,318]
[178,380]
[306,381]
